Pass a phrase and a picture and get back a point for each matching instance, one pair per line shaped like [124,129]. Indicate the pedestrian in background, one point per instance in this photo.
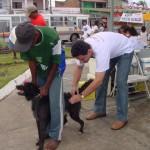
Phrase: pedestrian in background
[132,34]
[144,35]
[94,28]
[86,29]
[101,28]
[12,39]
[35,17]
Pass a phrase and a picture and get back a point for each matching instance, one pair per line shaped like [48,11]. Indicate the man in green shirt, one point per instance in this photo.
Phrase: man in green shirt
[41,47]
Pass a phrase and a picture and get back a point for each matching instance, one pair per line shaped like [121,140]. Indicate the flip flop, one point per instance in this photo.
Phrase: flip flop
[52,144]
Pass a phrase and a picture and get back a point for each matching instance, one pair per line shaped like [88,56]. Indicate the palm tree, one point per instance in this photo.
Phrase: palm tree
[143,3]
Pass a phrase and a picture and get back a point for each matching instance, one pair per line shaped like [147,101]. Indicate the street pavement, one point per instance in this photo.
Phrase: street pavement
[18,128]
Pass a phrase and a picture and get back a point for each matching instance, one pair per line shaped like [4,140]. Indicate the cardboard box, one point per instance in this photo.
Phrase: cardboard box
[89,97]
[145,64]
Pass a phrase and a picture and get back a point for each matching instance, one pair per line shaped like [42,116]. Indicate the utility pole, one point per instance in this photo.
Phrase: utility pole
[50,6]
[111,15]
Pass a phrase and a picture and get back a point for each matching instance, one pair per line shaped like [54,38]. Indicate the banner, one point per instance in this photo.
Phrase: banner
[132,17]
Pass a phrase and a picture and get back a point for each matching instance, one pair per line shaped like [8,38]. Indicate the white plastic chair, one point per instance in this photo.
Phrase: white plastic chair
[139,77]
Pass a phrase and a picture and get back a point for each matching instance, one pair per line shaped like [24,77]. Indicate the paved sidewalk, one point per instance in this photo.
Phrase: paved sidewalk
[18,128]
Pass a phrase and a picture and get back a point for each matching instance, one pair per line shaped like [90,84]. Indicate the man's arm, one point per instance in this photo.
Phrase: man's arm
[51,76]
[99,76]
[44,89]
[33,69]
[76,77]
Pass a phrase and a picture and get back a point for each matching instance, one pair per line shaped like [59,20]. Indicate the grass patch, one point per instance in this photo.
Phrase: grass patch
[68,52]
[10,68]
[11,71]
[7,59]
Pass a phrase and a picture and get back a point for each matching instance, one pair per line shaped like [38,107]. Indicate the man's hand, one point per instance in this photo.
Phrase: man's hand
[74,99]
[34,81]
[74,91]
[43,91]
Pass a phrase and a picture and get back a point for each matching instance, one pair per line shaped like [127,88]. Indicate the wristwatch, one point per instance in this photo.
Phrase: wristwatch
[82,96]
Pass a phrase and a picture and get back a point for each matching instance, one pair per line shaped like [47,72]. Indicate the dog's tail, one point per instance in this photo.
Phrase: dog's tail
[85,85]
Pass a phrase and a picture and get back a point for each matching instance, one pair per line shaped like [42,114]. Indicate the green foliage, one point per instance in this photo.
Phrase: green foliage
[143,3]
[10,68]
[10,72]
[3,44]
[68,52]
[8,59]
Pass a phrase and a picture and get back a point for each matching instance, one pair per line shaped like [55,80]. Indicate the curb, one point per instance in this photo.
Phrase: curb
[11,86]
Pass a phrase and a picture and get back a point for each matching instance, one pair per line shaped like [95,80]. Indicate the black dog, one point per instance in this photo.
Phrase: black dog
[74,109]
[41,108]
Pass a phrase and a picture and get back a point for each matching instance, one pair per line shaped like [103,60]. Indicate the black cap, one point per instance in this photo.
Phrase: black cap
[25,33]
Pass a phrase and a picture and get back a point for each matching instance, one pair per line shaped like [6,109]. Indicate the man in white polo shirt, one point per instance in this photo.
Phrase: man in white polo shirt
[109,49]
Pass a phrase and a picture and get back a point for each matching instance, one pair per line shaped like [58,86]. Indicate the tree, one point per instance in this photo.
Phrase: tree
[143,3]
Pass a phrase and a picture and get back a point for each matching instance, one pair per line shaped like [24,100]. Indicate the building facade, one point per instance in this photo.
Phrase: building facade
[20,5]
[68,3]
[82,3]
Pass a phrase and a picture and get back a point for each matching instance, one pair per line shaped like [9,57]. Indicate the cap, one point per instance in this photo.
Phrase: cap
[30,9]
[25,33]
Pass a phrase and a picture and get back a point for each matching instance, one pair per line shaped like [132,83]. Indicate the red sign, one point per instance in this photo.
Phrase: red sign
[117,14]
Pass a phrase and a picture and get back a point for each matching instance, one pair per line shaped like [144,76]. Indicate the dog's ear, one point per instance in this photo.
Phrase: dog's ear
[19,87]
[67,95]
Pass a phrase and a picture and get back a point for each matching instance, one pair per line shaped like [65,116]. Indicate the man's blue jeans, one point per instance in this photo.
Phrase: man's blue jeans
[123,63]
[56,99]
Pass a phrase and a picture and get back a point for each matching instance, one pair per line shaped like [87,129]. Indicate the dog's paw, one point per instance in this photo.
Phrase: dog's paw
[79,132]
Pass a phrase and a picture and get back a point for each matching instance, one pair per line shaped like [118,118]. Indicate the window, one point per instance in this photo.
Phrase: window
[4,26]
[24,18]
[47,22]
[0,3]
[17,5]
[100,5]
[69,21]
[15,20]
[56,21]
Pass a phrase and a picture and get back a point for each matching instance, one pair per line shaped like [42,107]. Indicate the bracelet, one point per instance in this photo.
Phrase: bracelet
[82,96]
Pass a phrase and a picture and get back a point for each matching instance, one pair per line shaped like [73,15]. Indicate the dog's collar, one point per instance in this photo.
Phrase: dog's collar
[37,96]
